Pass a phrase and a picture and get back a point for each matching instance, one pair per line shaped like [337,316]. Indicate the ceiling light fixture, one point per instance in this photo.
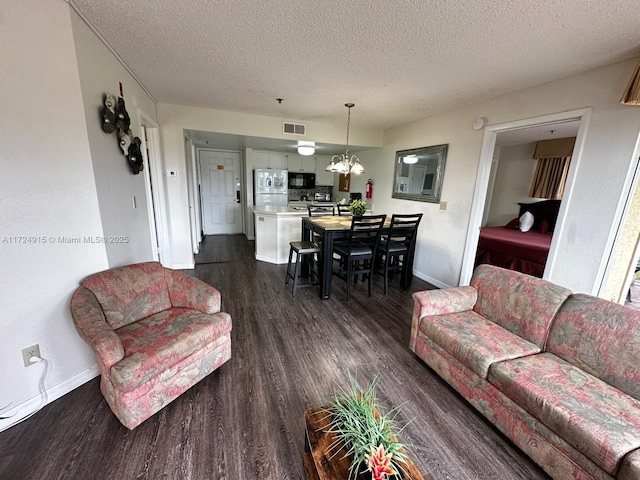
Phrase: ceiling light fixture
[410,159]
[306,148]
[343,163]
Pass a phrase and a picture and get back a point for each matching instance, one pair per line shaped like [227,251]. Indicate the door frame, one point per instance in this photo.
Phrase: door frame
[156,209]
[198,183]
[482,183]
[195,218]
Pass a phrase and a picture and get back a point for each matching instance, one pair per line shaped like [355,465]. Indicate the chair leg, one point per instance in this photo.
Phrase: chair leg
[348,277]
[297,274]
[386,274]
[369,264]
[286,277]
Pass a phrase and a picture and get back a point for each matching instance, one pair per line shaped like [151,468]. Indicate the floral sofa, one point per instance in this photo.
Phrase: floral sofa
[155,333]
[558,373]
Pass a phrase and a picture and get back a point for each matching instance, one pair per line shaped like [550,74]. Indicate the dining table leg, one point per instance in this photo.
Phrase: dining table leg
[326,272]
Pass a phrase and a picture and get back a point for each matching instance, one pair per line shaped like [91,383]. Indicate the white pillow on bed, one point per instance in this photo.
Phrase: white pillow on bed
[526,221]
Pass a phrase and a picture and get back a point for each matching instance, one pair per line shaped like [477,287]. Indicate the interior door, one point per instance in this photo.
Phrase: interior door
[220,192]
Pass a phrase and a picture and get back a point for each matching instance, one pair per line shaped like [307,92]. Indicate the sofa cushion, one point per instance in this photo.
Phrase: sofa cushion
[600,337]
[474,341]
[128,294]
[597,419]
[156,343]
[522,304]
[630,469]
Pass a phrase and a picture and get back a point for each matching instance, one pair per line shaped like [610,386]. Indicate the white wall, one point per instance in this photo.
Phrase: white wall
[513,179]
[100,72]
[47,190]
[604,165]
[175,119]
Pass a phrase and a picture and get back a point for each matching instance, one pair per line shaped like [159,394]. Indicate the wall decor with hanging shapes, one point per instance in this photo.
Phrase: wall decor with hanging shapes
[116,119]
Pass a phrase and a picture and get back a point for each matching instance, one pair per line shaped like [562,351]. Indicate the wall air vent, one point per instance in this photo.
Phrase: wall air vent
[294,128]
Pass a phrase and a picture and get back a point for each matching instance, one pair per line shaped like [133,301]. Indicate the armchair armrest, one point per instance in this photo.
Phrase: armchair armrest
[94,329]
[438,302]
[189,292]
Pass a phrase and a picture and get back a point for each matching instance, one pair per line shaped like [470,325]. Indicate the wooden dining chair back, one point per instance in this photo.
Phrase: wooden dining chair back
[343,210]
[320,210]
[396,247]
[357,254]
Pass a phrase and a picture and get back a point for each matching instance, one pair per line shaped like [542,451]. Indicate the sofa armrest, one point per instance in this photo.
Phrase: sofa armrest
[189,292]
[94,329]
[438,302]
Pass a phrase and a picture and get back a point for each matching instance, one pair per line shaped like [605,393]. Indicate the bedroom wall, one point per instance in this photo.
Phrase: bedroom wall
[608,156]
[516,167]
[47,196]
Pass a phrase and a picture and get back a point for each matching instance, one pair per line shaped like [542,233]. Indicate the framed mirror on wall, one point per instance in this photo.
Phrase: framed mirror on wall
[419,172]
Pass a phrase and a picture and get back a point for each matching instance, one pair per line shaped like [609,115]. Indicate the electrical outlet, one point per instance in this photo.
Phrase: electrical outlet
[27,353]
[443,205]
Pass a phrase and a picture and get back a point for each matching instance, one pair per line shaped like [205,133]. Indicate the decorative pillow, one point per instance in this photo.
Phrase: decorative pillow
[526,221]
[544,226]
[512,224]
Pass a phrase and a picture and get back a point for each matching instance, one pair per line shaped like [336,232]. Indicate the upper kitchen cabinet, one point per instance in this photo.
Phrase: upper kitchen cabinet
[300,163]
[322,176]
[273,160]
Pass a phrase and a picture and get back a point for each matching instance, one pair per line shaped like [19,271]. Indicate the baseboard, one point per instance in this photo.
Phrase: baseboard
[262,258]
[33,404]
[183,266]
[432,281]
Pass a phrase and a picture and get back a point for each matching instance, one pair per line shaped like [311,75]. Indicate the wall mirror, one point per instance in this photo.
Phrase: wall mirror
[419,172]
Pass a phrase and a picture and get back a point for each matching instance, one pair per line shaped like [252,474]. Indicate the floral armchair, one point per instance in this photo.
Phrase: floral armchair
[155,333]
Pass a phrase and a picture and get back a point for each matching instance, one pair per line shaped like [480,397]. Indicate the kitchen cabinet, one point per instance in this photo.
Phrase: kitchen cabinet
[322,176]
[301,163]
[275,228]
[272,160]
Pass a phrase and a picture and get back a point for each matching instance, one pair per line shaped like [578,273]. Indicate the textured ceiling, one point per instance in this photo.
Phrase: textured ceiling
[398,61]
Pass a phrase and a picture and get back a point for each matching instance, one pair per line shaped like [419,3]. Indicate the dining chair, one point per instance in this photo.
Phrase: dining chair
[320,210]
[357,254]
[343,209]
[396,247]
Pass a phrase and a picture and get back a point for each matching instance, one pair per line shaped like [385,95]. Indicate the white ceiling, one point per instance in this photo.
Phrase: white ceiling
[397,61]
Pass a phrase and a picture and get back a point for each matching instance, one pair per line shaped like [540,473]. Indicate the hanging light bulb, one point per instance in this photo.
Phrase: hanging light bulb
[343,163]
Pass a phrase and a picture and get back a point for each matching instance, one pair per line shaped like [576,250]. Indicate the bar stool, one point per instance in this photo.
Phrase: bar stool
[301,248]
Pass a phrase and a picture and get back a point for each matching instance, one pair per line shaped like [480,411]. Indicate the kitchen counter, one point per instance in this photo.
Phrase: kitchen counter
[279,211]
[276,226]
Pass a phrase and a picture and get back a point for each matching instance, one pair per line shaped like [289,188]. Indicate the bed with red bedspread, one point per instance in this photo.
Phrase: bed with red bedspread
[524,252]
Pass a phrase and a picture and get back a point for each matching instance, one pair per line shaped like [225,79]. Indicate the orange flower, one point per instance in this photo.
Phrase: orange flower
[379,463]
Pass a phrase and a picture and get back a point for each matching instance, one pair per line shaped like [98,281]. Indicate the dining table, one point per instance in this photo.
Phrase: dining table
[331,228]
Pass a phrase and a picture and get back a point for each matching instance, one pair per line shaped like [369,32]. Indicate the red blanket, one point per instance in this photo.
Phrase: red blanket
[525,252]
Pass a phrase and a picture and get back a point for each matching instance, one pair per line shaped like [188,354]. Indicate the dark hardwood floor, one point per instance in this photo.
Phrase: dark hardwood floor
[225,248]
[245,420]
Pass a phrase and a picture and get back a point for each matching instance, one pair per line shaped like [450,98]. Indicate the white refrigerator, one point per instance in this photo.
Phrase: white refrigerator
[270,187]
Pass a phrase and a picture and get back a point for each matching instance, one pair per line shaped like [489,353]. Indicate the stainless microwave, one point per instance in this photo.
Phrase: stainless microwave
[302,180]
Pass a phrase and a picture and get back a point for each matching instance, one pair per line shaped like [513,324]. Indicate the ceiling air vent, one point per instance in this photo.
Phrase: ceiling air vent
[294,128]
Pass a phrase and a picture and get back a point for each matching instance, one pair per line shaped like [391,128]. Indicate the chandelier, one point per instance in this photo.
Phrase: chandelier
[344,163]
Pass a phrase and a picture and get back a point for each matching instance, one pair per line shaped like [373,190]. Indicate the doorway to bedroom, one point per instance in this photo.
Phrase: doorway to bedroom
[505,175]
[526,185]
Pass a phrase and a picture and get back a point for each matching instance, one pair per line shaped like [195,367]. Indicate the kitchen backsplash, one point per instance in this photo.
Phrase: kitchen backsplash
[297,194]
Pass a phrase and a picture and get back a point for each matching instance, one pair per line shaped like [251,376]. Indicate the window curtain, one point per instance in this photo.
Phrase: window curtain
[550,178]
